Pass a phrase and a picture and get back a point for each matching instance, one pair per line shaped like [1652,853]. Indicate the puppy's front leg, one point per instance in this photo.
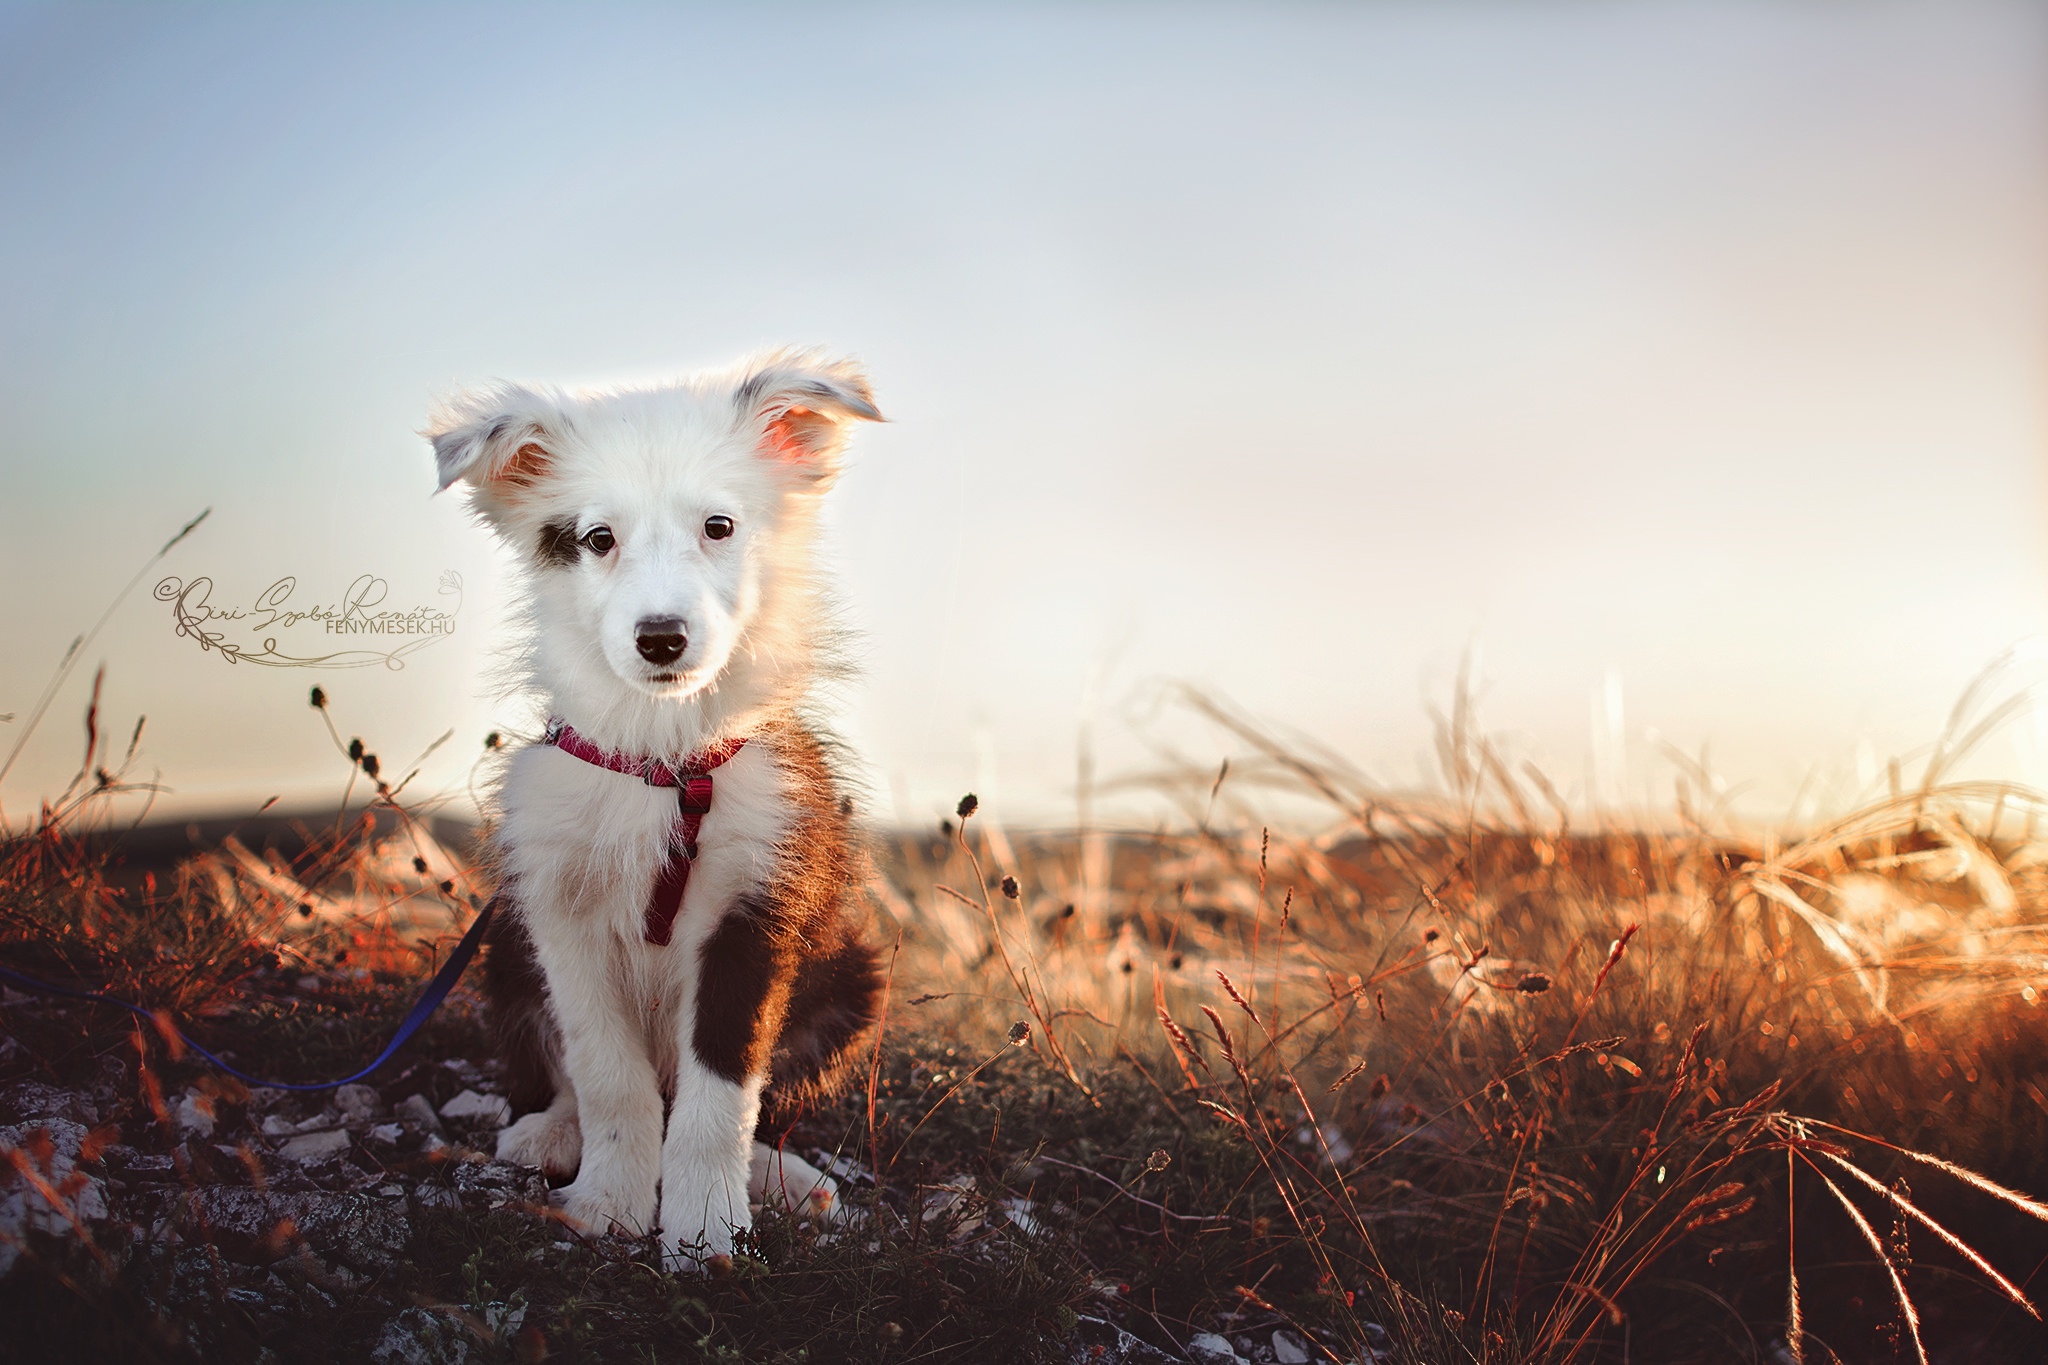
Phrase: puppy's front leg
[617,1094]
[742,989]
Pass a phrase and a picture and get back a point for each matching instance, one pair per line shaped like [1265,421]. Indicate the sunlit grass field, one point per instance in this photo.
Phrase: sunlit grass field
[1452,1076]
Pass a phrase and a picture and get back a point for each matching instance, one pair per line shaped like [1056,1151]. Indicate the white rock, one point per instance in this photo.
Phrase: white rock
[358,1101]
[470,1107]
[1329,1139]
[1289,1349]
[387,1133]
[23,1207]
[312,1147]
[418,1337]
[277,1125]
[947,1197]
[1019,1211]
[194,1115]
[415,1110]
[1206,1348]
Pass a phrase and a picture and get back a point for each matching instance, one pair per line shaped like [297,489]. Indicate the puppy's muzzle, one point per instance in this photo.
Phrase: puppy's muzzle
[660,639]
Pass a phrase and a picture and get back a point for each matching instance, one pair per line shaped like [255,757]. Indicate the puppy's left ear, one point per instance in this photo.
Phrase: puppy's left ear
[801,408]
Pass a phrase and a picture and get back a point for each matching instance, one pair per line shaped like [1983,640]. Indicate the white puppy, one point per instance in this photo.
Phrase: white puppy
[674,962]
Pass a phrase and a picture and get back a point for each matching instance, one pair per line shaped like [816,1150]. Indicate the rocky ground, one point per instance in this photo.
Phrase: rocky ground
[262,1203]
[197,1218]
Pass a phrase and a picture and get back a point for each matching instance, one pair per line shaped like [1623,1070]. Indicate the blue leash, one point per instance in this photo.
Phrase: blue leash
[437,991]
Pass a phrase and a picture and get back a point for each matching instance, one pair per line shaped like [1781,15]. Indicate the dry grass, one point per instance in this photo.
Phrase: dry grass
[369,888]
[1528,1091]
[1453,1067]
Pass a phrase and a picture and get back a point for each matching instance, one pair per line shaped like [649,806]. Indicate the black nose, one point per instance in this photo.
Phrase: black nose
[660,639]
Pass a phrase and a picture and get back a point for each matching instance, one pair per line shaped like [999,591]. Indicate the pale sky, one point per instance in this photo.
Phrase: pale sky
[1691,352]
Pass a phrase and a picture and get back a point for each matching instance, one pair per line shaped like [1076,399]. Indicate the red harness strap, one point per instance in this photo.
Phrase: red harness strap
[692,781]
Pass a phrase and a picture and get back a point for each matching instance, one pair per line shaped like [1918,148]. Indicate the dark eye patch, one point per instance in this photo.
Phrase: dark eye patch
[718,528]
[557,547]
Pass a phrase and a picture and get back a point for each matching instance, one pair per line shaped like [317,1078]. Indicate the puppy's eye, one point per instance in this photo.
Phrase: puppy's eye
[717,528]
[599,540]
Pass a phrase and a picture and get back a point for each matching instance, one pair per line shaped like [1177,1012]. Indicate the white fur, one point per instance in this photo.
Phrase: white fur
[582,844]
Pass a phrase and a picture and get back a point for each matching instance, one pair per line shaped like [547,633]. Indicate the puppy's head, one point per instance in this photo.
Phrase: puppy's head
[667,528]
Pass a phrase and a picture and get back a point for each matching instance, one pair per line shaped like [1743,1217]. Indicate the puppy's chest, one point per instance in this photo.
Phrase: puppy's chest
[589,843]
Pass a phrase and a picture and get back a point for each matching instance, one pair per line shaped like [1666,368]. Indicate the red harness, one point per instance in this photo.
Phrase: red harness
[692,781]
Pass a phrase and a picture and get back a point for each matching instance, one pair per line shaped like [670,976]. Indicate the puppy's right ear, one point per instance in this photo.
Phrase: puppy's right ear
[496,438]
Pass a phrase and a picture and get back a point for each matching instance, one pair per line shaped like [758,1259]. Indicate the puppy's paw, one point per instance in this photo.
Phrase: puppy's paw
[698,1222]
[786,1179]
[597,1209]
[550,1139]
